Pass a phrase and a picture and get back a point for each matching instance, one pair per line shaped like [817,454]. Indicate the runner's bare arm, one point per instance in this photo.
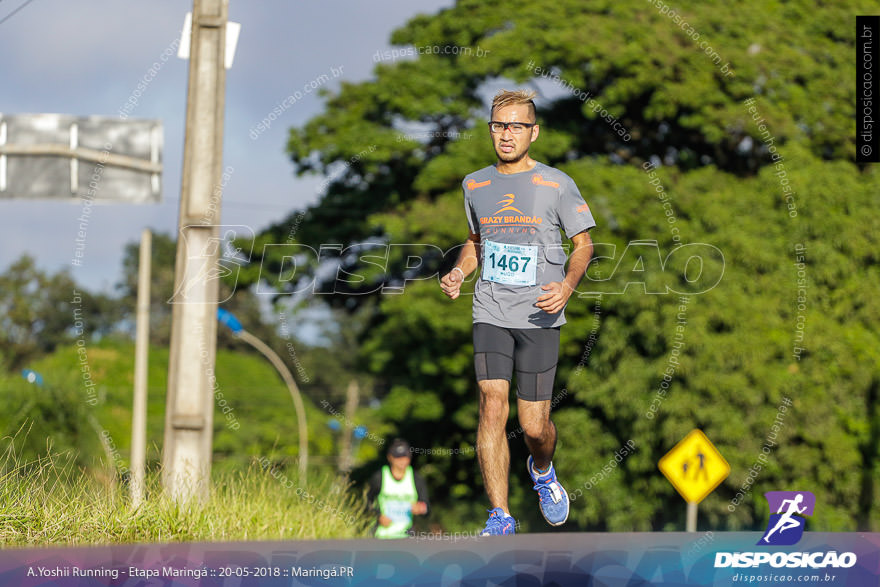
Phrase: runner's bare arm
[558,292]
[468,261]
[580,258]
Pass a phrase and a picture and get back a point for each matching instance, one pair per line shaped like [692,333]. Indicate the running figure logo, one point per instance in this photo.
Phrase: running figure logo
[786,525]
[507,204]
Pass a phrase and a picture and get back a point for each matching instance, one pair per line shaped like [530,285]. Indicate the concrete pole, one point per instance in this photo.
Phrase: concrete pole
[189,416]
[141,353]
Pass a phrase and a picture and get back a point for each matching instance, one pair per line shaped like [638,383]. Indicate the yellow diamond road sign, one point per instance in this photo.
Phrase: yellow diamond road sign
[694,467]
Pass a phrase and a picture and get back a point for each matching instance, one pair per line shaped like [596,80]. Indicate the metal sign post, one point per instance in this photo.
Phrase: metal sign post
[695,468]
[88,160]
[141,356]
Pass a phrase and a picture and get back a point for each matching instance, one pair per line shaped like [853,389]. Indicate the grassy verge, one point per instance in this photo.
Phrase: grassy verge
[50,501]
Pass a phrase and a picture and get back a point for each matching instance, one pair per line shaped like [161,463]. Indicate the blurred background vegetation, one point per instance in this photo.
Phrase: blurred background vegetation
[395,149]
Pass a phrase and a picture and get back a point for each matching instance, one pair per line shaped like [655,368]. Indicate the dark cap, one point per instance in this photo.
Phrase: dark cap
[399,448]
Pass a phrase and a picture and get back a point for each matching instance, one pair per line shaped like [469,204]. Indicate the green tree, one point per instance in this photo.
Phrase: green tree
[39,311]
[680,92]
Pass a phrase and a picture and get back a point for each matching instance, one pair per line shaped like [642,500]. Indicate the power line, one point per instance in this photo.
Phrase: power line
[234,203]
[14,12]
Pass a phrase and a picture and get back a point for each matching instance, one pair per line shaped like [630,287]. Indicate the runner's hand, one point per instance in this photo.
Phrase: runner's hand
[384,521]
[556,297]
[451,283]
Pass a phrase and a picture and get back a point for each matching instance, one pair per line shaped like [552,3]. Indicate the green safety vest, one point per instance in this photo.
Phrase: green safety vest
[395,501]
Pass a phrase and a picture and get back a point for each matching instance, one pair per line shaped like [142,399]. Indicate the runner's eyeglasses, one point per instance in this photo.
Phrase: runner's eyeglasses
[514,127]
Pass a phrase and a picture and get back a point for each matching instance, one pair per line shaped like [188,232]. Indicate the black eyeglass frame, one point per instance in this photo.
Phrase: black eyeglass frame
[506,126]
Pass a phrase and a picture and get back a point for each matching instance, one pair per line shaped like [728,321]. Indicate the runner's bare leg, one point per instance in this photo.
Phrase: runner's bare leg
[492,450]
[538,430]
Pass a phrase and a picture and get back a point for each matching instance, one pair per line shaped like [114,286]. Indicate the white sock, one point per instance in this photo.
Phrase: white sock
[539,473]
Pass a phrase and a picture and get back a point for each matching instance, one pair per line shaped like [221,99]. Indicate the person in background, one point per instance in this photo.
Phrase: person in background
[397,493]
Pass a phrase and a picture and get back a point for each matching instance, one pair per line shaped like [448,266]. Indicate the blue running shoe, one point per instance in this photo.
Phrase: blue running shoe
[499,524]
[552,497]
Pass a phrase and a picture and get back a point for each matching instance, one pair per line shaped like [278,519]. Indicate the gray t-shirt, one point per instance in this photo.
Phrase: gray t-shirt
[518,217]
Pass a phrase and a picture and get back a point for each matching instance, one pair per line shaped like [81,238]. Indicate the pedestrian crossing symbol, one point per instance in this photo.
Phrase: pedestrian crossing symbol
[694,467]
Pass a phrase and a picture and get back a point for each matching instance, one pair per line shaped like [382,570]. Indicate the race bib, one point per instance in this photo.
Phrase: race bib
[509,264]
[398,511]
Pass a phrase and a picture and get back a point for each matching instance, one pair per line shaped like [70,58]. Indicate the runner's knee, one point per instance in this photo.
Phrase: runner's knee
[534,430]
[493,404]
[535,426]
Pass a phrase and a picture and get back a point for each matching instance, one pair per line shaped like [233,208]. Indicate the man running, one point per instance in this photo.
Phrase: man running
[515,210]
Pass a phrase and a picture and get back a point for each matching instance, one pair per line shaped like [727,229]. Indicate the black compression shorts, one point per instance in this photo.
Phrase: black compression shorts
[534,352]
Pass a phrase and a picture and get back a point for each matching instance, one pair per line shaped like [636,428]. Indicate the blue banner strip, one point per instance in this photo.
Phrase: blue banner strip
[631,559]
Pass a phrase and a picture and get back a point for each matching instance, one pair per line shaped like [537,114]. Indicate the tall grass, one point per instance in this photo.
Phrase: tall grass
[51,501]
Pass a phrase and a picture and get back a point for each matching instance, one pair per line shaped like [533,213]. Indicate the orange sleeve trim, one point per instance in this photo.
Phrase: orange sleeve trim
[472,184]
[538,180]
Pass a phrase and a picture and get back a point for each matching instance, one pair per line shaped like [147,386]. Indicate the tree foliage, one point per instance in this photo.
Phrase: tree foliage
[737,355]
[39,311]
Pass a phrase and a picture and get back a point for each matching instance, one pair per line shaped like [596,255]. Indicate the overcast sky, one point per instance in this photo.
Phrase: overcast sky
[87,57]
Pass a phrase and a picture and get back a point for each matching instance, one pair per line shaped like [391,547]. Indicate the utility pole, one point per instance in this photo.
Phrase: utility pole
[189,415]
[141,352]
[351,403]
